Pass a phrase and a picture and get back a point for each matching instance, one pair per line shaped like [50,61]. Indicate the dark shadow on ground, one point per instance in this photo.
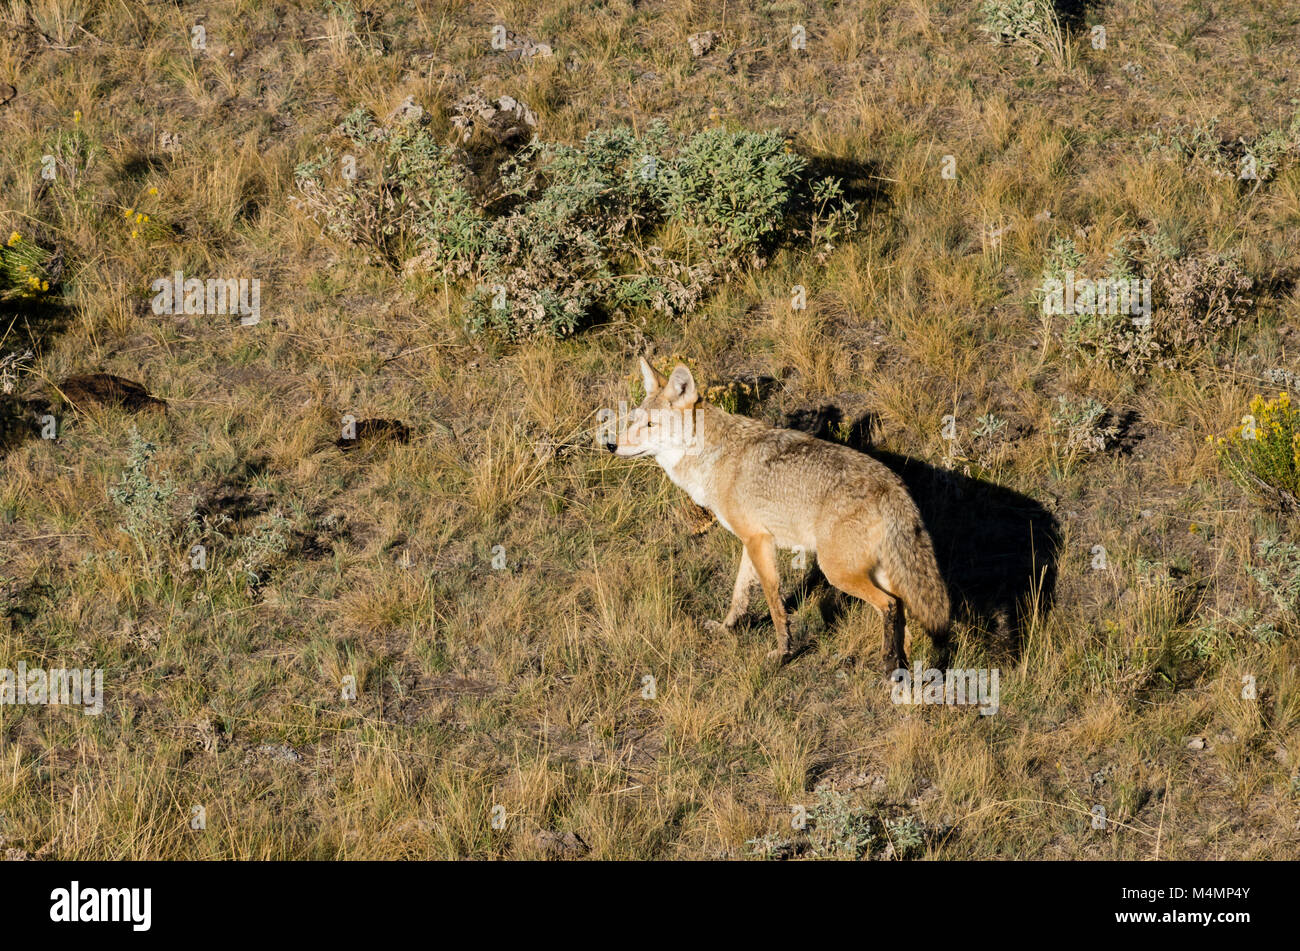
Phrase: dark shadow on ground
[1073,14]
[26,326]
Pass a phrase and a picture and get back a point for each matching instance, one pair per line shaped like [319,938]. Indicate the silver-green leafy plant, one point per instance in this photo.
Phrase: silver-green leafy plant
[567,232]
[143,499]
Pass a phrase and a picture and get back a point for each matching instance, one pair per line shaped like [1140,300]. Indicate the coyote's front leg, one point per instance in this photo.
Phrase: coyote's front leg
[761,550]
[758,564]
[746,578]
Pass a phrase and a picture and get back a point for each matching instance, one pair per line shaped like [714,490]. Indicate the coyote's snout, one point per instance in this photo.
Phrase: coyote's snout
[777,488]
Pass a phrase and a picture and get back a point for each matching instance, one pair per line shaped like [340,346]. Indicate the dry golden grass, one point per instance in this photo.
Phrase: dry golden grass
[522,684]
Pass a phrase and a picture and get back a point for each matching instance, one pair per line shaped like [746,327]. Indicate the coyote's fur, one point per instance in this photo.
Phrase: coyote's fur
[778,488]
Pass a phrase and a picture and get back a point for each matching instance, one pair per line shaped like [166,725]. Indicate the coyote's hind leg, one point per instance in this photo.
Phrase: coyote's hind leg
[857,583]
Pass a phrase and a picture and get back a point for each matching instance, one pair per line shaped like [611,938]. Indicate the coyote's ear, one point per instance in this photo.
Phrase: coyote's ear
[652,378]
[681,388]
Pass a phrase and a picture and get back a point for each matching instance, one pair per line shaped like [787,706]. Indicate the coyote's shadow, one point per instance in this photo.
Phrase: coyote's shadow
[996,548]
[28,327]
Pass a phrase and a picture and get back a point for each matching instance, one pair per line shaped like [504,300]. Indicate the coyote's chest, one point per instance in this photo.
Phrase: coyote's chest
[696,488]
[778,518]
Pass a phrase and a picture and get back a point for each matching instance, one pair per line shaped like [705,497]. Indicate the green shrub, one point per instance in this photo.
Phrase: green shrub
[144,501]
[1203,146]
[1030,23]
[1080,423]
[731,189]
[412,199]
[1194,298]
[840,829]
[567,232]
[1279,575]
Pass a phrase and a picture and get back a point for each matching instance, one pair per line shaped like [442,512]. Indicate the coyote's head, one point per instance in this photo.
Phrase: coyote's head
[665,421]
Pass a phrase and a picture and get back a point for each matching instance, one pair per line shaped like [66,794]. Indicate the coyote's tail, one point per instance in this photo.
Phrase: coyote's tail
[913,573]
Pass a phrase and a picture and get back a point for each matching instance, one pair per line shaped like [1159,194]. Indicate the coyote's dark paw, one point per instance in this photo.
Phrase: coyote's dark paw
[894,670]
[788,648]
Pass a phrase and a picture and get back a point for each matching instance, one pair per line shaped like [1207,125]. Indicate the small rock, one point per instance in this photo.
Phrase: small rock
[377,430]
[522,47]
[408,110]
[569,845]
[702,43]
[504,121]
[280,753]
[1196,742]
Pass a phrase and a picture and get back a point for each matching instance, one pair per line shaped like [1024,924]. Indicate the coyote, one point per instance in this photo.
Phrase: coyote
[778,488]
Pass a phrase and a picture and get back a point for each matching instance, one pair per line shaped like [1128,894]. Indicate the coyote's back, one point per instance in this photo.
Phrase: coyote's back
[826,498]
